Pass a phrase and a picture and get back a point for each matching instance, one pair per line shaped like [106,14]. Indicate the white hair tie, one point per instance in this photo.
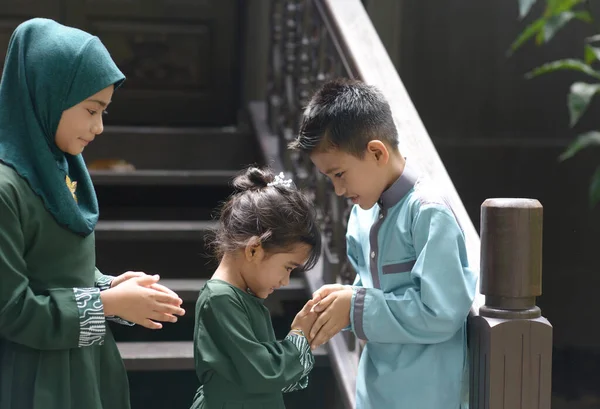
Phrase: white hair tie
[281,181]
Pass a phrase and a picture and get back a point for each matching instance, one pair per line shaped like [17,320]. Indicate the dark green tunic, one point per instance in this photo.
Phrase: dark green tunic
[56,351]
[239,362]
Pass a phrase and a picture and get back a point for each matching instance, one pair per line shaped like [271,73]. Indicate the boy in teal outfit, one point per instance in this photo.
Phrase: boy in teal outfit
[414,286]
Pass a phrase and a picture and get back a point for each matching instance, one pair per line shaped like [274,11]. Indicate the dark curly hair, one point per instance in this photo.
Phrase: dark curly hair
[280,216]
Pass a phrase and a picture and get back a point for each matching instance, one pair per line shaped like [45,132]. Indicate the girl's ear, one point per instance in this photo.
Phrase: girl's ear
[254,251]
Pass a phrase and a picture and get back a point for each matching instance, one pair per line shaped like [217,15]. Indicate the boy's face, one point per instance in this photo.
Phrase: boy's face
[361,180]
[80,124]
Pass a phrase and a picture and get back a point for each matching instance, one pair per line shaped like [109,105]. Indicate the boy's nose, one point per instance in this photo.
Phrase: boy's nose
[285,281]
[340,191]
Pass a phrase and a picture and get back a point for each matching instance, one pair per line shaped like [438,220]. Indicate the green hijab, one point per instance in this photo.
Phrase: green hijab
[49,68]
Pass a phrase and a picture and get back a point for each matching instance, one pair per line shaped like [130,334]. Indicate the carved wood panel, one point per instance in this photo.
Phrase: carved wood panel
[305,53]
[180,56]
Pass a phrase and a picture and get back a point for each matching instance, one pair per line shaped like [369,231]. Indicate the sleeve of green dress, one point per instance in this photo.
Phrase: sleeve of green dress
[229,346]
[307,360]
[62,318]
[103,282]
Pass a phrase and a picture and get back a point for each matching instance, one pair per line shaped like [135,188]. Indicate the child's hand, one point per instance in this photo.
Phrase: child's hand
[334,315]
[131,274]
[136,301]
[126,276]
[325,290]
[305,318]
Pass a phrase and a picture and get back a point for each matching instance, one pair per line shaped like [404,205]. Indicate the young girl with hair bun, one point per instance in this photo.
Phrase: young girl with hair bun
[267,230]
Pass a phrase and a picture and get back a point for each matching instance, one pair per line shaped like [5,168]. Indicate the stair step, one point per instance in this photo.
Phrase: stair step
[157,356]
[160,201]
[173,356]
[182,148]
[188,289]
[152,230]
[163,177]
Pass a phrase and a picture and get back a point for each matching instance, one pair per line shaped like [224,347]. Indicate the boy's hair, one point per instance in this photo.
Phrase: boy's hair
[346,115]
[280,215]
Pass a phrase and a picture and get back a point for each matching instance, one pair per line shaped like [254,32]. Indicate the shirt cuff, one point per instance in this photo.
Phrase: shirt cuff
[119,320]
[103,283]
[307,360]
[357,308]
[92,324]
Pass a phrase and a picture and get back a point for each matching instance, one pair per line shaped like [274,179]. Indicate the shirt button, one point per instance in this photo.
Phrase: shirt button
[372,254]
[381,216]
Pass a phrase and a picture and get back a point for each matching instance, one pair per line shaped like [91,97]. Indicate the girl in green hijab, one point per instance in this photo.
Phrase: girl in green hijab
[56,351]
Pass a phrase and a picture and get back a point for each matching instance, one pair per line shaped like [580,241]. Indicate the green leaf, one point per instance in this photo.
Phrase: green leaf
[591,54]
[539,37]
[534,28]
[561,65]
[558,21]
[554,7]
[579,99]
[595,189]
[525,6]
[583,141]
[584,16]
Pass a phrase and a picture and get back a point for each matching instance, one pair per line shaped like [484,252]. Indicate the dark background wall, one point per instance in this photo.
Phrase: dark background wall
[499,135]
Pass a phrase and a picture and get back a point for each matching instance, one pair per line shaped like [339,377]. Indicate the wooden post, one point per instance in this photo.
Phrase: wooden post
[510,342]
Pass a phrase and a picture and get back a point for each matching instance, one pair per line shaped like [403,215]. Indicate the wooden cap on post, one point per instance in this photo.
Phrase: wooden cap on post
[511,257]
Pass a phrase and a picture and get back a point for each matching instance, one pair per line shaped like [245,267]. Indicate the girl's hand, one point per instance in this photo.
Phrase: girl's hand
[305,318]
[131,274]
[136,301]
[126,276]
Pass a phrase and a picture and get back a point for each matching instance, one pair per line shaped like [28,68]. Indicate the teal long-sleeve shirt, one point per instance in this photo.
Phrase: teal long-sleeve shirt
[412,295]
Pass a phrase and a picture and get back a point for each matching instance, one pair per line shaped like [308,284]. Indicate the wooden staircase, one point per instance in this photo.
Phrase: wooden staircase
[156,219]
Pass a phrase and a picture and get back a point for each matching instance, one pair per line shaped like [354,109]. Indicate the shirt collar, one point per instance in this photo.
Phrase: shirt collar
[392,195]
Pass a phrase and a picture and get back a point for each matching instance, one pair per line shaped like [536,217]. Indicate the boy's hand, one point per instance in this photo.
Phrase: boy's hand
[325,290]
[334,315]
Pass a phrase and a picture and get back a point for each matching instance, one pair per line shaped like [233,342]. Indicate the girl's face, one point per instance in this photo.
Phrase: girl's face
[265,272]
[80,124]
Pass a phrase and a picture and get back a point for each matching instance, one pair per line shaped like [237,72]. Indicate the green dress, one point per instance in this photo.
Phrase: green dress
[56,351]
[239,362]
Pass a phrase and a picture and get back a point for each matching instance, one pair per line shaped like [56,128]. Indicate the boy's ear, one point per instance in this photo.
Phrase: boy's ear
[379,151]
[254,250]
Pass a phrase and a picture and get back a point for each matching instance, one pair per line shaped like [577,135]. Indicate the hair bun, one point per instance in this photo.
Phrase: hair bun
[253,179]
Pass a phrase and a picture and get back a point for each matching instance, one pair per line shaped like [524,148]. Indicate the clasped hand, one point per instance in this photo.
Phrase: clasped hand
[138,298]
[326,314]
